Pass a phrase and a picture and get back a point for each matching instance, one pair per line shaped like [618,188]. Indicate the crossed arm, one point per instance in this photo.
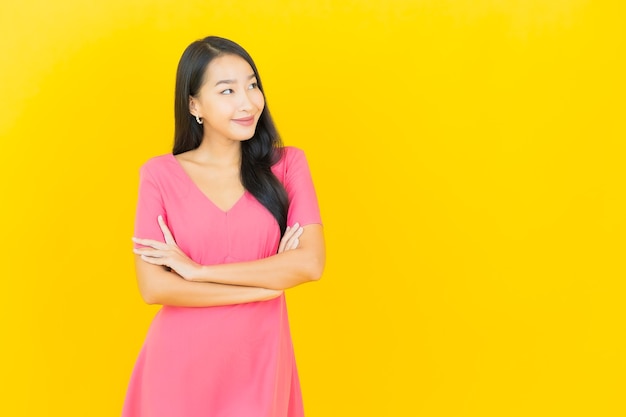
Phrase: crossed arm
[300,259]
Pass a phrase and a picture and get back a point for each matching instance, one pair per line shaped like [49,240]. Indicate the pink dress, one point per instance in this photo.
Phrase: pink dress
[227,361]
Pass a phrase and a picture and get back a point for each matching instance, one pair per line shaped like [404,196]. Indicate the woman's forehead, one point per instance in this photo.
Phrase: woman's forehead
[228,68]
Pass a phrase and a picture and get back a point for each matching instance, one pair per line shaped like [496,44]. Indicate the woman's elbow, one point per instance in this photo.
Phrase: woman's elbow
[316,268]
[151,282]
[148,295]
[151,292]
[315,252]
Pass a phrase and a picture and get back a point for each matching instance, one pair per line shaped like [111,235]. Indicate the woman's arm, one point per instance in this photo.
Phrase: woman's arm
[278,272]
[303,263]
[158,286]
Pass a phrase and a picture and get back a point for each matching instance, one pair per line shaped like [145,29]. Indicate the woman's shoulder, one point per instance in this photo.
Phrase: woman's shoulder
[159,165]
[289,155]
[292,160]
[160,169]
[292,150]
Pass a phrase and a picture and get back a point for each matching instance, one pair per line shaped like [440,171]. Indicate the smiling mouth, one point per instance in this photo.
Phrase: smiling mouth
[246,121]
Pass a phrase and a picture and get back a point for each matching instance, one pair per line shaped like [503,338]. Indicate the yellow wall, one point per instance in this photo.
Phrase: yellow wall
[469,159]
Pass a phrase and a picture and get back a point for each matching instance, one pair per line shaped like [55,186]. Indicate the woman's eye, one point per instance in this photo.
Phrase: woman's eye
[227,91]
[253,86]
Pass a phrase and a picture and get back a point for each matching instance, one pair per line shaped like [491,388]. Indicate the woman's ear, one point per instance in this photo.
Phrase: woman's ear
[192,106]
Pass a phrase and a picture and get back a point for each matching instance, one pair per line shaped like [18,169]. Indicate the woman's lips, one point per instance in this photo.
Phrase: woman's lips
[245,121]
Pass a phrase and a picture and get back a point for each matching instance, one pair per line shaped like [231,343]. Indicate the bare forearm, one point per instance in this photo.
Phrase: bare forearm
[158,286]
[287,269]
[278,272]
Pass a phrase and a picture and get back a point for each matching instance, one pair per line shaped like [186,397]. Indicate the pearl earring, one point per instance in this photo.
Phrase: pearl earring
[199,120]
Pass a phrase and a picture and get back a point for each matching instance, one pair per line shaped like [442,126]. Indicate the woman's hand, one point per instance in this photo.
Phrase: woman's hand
[291,238]
[167,254]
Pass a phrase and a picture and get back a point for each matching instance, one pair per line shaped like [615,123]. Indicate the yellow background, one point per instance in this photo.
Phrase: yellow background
[469,161]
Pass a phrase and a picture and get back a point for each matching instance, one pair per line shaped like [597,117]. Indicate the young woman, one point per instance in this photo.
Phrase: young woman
[224,224]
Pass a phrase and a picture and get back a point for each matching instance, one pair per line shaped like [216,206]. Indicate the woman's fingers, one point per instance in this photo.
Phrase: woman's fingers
[169,239]
[166,254]
[283,242]
[149,252]
[152,260]
[150,243]
[290,239]
[294,241]
[289,232]
[155,244]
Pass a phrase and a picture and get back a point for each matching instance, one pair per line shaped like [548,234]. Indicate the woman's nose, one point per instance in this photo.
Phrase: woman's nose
[246,102]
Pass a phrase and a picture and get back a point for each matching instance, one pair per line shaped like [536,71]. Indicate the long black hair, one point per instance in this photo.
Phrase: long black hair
[258,154]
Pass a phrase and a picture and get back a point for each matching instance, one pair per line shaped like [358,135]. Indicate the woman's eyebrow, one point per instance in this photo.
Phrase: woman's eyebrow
[233,81]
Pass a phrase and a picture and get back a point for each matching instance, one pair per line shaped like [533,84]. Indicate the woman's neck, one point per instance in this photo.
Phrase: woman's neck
[218,152]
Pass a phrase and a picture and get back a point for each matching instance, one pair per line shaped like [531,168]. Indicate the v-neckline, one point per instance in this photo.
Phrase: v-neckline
[206,197]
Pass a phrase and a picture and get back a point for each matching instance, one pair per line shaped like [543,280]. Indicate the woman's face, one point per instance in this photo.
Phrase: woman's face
[229,102]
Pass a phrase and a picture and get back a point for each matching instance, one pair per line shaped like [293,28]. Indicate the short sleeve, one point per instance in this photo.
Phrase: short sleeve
[149,207]
[303,205]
